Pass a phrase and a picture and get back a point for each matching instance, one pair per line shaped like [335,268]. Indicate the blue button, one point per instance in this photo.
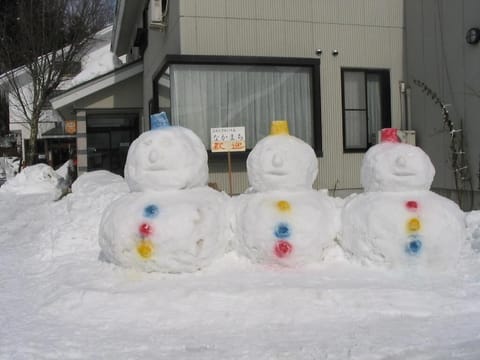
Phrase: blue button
[282,230]
[414,246]
[151,211]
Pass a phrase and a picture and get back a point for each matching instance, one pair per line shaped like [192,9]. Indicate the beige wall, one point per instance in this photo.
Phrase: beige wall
[366,33]
[126,94]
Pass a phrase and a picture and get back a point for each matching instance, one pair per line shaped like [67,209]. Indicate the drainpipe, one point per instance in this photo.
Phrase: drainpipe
[405,106]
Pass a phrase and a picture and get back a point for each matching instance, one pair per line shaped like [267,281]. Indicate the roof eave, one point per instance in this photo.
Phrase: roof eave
[126,15]
[99,83]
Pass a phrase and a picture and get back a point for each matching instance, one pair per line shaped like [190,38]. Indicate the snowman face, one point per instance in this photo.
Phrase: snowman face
[282,162]
[396,167]
[170,158]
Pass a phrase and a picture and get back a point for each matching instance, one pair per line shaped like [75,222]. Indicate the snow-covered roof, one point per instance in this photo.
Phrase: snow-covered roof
[88,61]
[96,84]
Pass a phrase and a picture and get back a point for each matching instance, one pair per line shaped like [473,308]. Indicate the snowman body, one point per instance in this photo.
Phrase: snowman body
[174,231]
[413,228]
[398,221]
[290,228]
[282,220]
[170,221]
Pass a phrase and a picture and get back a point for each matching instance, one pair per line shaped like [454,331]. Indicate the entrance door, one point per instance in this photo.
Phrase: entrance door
[108,140]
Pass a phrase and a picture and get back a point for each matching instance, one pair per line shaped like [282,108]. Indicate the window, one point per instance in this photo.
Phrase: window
[208,92]
[366,107]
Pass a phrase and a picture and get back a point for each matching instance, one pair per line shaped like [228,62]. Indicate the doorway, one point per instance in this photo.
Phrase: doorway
[108,138]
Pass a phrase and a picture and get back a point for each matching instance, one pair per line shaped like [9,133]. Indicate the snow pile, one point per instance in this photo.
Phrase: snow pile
[99,183]
[95,63]
[9,166]
[36,179]
[398,221]
[171,222]
[283,220]
[76,218]
[473,229]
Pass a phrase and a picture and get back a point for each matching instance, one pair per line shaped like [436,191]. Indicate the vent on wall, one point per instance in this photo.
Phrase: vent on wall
[158,14]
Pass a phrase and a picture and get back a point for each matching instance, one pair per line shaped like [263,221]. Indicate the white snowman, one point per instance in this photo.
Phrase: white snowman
[170,221]
[397,221]
[281,219]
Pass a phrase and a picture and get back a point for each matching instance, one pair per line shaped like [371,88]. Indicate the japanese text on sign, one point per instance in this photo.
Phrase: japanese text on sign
[227,139]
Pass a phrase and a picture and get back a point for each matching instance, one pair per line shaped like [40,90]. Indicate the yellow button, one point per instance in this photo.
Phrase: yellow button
[413,224]
[283,205]
[145,249]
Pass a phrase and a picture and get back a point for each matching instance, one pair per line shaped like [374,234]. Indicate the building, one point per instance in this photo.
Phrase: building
[338,71]
[331,68]
[442,62]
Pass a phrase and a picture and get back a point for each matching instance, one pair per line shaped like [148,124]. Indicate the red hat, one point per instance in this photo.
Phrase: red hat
[389,135]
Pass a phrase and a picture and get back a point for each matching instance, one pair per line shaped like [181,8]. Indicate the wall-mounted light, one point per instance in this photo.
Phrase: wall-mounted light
[473,36]
[318,52]
[335,52]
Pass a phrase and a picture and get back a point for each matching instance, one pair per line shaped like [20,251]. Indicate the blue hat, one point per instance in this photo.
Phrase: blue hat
[159,121]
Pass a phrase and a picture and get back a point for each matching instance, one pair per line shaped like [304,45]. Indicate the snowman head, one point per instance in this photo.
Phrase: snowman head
[281,162]
[395,166]
[167,158]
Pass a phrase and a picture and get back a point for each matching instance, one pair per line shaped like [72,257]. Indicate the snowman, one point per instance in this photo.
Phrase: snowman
[281,220]
[397,221]
[170,221]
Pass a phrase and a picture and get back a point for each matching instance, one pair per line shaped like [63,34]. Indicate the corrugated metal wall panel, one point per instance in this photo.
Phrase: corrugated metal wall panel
[211,36]
[211,8]
[245,44]
[245,9]
[270,38]
[270,9]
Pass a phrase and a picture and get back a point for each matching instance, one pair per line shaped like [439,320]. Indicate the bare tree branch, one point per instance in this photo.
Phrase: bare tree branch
[47,37]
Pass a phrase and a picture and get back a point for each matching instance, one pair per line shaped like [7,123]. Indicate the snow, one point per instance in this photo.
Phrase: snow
[281,162]
[61,299]
[282,220]
[396,167]
[397,221]
[171,221]
[36,179]
[97,62]
[165,159]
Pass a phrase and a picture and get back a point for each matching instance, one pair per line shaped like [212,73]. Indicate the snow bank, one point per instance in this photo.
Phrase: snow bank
[36,179]
[58,300]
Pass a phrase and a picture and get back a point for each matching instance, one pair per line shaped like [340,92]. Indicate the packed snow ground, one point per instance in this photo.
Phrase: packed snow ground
[60,300]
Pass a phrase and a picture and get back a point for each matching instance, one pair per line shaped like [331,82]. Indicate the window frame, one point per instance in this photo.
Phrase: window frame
[314,64]
[385,102]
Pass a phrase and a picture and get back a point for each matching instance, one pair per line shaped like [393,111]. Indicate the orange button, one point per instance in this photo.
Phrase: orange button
[145,249]
[283,205]
[413,224]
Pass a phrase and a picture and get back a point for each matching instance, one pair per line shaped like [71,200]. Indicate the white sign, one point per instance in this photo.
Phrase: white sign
[227,139]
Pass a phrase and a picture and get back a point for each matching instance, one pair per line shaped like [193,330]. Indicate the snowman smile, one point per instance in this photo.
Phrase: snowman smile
[157,168]
[404,173]
[277,172]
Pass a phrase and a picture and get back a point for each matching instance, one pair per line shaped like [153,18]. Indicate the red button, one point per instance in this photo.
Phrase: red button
[283,248]
[411,205]
[145,229]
